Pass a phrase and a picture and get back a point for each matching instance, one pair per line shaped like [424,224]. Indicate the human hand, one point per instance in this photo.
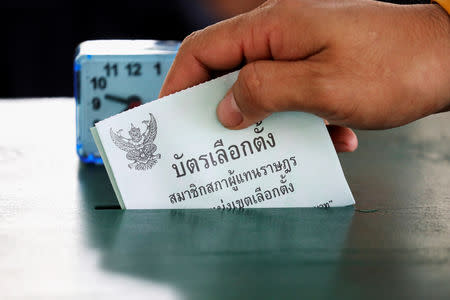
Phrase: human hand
[355,63]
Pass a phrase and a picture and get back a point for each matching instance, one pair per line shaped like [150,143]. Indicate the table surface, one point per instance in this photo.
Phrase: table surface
[60,237]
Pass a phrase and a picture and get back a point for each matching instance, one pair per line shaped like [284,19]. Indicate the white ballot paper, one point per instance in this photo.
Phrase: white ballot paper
[174,153]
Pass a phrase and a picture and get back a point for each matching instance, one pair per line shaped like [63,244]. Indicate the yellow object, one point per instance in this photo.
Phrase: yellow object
[445,4]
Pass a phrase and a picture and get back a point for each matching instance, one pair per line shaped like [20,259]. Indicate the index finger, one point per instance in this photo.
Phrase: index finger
[219,47]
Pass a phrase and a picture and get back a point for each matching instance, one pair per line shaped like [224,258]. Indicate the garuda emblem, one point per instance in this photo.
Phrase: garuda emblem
[139,146]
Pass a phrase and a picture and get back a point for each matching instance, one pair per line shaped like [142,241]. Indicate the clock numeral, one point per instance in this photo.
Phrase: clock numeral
[134,69]
[96,103]
[111,69]
[99,83]
[157,66]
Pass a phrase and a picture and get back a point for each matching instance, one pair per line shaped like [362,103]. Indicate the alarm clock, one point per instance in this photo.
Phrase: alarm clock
[111,76]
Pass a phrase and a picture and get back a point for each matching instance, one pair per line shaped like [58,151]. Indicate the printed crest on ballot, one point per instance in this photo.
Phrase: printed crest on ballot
[139,147]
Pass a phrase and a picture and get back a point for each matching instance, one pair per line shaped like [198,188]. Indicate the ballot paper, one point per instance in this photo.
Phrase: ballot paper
[172,153]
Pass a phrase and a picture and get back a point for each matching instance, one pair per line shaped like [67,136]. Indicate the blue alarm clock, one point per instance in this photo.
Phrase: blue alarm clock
[111,76]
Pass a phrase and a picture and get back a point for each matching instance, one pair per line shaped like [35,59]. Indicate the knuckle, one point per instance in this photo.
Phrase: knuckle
[274,7]
[317,83]
[321,89]
[287,3]
[323,93]
[271,21]
[250,85]
[190,39]
[335,101]
[274,3]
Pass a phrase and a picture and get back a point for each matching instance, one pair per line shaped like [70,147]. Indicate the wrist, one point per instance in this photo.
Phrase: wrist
[437,28]
[442,15]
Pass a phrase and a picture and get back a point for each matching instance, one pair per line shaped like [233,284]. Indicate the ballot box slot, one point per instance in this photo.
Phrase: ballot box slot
[107,207]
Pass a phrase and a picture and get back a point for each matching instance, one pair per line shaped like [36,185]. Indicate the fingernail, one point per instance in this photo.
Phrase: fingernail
[228,112]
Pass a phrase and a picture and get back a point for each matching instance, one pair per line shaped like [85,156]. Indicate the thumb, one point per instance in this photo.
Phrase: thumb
[264,87]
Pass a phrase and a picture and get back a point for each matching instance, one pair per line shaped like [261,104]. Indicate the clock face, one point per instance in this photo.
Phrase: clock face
[110,84]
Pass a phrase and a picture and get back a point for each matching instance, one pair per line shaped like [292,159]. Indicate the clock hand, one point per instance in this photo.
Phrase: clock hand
[117,99]
[134,98]
[131,102]
[134,101]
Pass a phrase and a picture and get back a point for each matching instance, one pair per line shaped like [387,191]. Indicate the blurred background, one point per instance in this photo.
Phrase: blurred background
[39,38]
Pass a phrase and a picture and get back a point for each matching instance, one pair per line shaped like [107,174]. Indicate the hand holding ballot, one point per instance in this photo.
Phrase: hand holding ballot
[173,153]
[356,63]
